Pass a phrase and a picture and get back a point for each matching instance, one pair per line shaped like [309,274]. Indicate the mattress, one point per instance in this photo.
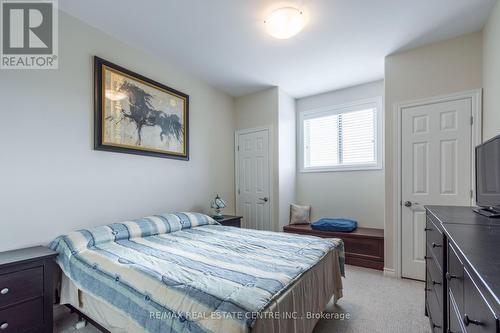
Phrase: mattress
[185,273]
[304,300]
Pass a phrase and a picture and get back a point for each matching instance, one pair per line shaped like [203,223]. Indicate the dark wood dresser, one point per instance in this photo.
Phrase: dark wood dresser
[363,247]
[231,221]
[462,286]
[26,293]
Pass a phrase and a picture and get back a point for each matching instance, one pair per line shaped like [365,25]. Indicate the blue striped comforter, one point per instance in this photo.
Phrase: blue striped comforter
[184,272]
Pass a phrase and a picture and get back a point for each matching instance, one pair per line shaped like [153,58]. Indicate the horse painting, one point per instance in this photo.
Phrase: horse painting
[142,113]
[136,115]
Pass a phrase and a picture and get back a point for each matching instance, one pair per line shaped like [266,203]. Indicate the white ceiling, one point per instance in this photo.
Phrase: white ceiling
[224,43]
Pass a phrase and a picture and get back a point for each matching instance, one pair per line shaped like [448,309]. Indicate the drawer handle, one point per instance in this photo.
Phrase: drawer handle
[435,282]
[449,276]
[428,289]
[4,291]
[435,326]
[435,245]
[427,257]
[4,326]
[427,229]
[468,321]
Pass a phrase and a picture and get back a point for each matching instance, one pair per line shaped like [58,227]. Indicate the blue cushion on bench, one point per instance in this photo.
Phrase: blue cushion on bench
[331,224]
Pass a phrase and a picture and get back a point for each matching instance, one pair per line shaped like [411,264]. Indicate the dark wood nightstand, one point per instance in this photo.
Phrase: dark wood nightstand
[231,221]
[26,293]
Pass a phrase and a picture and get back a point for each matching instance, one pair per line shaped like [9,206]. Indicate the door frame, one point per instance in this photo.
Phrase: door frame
[237,133]
[476,102]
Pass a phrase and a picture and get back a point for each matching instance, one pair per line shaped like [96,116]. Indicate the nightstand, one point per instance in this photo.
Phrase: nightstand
[26,293]
[231,221]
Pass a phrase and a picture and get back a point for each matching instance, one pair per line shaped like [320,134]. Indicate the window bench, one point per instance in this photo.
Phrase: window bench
[363,247]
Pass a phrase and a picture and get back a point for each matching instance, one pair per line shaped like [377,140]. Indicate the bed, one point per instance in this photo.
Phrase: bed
[183,272]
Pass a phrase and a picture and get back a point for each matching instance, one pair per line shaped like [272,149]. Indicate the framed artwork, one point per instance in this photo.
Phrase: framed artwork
[136,115]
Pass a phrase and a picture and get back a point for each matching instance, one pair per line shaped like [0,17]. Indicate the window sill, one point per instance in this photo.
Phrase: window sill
[369,167]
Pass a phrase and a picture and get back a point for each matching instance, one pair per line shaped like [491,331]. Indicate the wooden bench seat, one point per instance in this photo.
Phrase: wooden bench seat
[363,247]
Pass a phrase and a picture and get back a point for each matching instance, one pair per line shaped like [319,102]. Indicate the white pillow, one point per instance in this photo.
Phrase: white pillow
[300,214]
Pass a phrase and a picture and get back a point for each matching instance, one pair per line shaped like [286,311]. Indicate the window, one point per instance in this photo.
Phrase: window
[342,138]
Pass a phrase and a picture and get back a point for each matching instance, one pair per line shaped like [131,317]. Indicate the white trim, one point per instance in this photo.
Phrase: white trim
[349,167]
[476,104]
[389,272]
[270,141]
[343,108]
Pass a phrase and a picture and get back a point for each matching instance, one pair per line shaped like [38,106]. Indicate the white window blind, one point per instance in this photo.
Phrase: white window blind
[358,137]
[340,139]
[321,141]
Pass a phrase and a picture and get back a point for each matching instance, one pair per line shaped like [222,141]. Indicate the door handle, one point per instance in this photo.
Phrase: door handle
[410,204]
[468,321]
[449,276]
[265,199]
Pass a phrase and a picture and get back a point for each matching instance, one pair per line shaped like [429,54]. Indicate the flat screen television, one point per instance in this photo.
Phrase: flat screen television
[488,178]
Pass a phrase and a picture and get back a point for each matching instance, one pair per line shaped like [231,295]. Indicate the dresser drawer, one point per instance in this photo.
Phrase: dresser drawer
[436,280]
[455,277]
[232,223]
[22,317]
[366,247]
[454,317]
[434,240]
[428,281]
[478,316]
[20,286]
[434,310]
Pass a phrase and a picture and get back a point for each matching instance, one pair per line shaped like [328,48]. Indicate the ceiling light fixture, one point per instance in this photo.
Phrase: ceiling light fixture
[285,22]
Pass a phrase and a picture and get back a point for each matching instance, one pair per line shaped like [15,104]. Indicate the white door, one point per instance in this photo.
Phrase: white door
[436,167]
[253,179]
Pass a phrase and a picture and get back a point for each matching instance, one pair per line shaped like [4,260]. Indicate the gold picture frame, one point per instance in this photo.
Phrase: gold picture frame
[136,115]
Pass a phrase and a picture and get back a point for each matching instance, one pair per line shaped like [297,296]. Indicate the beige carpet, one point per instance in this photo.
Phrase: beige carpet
[378,304]
[372,302]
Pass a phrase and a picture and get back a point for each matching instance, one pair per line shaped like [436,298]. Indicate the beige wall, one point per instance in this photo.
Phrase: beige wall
[257,110]
[52,181]
[287,164]
[343,193]
[275,109]
[491,75]
[447,67]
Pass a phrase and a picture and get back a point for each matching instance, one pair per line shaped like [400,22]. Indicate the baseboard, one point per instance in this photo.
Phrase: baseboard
[389,272]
